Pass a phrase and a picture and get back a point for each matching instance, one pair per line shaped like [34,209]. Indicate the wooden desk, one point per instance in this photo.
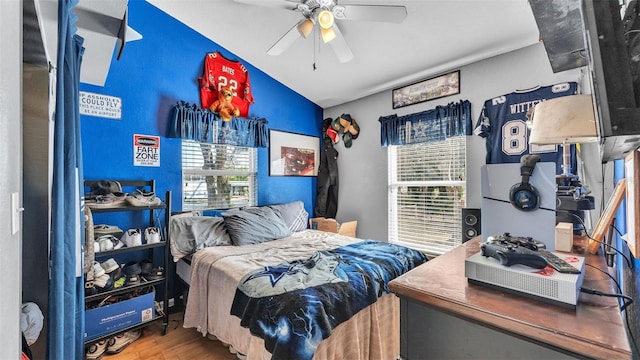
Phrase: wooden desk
[443,316]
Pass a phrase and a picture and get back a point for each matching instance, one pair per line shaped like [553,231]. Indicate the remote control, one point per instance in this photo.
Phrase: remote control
[510,254]
[557,263]
[528,242]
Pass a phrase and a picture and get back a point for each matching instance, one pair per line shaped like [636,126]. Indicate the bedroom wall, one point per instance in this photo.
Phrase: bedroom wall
[151,76]
[363,167]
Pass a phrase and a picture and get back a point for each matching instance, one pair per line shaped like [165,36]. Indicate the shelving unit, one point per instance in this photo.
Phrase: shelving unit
[146,185]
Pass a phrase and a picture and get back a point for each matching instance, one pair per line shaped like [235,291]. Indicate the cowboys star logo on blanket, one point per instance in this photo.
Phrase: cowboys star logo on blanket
[321,268]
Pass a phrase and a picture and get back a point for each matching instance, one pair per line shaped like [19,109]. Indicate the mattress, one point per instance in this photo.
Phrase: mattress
[183,269]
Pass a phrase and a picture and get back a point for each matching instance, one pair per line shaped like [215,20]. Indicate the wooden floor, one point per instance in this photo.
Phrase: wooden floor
[178,344]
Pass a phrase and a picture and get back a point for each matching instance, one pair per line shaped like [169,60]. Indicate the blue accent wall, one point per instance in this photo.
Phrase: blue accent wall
[152,75]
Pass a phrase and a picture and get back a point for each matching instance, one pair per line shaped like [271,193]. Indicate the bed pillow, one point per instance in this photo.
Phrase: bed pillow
[254,225]
[293,214]
[192,233]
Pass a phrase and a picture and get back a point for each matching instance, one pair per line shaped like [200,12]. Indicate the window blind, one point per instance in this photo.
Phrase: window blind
[217,176]
[427,184]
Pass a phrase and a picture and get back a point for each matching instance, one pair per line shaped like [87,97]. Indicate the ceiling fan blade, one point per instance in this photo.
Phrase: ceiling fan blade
[340,46]
[286,40]
[381,13]
[282,4]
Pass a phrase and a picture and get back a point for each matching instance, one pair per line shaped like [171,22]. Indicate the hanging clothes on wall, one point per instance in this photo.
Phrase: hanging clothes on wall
[327,183]
[221,72]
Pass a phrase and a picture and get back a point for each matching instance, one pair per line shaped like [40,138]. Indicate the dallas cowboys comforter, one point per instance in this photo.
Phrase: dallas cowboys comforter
[293,306]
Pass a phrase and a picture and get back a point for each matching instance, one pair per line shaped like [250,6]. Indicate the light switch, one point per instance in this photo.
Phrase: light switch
[15,212]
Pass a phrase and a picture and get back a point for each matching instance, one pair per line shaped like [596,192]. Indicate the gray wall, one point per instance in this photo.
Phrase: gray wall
[363,167]
[10,175]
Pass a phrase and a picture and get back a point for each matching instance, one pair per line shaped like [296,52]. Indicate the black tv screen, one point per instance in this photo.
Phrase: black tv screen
[615,89]
[594,33]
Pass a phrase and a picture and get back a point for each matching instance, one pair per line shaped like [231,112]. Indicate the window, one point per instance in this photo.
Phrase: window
[427,193]
[216,176]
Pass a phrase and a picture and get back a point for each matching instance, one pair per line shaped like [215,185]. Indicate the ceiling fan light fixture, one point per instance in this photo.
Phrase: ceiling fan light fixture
[325,19]
[305,27]
[328,34]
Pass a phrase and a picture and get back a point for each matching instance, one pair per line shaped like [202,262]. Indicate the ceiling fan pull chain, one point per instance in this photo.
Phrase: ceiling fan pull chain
[314,48]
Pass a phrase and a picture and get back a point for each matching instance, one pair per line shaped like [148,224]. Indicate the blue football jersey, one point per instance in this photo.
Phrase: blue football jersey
[502,123]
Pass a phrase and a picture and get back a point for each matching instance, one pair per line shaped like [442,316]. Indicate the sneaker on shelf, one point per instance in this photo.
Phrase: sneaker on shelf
[131,268]
[146,266]
[154,274]
[152,235]
[109,242]
[98,270]
[119,282]
[104,229]
[110,265]
[119,342]
[132,237]
[108,201]
[142,198]
[90,288]
[103,282]
[97,350]
[132,280]
[105,243]
[96,246]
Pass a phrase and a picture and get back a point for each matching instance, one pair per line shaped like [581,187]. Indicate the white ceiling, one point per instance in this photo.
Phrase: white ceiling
[436,36]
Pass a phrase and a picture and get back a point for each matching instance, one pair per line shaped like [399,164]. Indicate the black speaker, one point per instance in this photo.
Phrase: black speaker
[470,223]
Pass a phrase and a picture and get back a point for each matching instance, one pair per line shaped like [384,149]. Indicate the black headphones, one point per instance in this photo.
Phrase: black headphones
[523,195]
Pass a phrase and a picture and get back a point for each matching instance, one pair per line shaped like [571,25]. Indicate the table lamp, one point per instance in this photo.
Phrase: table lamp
[566,120]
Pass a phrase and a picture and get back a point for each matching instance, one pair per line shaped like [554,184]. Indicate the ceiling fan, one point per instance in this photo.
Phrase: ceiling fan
[324,13]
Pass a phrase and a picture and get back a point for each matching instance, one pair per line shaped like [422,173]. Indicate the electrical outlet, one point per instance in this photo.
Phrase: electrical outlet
[172,302]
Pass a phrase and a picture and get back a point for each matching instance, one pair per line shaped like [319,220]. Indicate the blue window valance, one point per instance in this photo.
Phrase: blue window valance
[191,122]
[436,124]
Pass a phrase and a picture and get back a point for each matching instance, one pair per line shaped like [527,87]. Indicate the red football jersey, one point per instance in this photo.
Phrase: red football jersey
[220,72]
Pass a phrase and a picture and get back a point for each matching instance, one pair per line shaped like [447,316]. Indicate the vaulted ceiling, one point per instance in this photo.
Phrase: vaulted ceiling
[436,36]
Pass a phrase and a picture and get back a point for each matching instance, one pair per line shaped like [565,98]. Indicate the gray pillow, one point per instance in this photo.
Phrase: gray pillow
[293,214]
[254,225]
[192,233]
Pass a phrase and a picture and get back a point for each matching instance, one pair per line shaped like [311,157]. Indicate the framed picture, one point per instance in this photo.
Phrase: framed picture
[292,154]
[425,90]
[606,218]
[632,174]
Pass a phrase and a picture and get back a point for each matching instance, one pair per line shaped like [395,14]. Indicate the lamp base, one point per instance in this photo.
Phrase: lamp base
[568,180]
[570,209]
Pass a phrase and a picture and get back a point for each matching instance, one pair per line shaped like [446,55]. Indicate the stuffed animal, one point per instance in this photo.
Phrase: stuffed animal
[223,105]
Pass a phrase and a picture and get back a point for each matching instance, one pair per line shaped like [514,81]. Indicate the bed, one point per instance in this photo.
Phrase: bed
[272,289]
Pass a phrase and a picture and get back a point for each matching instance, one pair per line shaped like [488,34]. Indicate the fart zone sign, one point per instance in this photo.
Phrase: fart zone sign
[146,150]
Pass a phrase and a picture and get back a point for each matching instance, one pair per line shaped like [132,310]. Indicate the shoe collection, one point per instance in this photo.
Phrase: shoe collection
[113,345]
[106,237]
[116,199]
[110,275]
[143,198]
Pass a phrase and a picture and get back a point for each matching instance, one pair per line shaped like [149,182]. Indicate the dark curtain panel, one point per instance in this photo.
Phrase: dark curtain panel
[436,124]
[194,123]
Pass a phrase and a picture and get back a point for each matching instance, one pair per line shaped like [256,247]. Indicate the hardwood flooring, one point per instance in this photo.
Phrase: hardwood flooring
[178,344]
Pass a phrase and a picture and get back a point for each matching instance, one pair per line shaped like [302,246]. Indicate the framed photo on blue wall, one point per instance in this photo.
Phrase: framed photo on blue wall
[425,90]
[292,154]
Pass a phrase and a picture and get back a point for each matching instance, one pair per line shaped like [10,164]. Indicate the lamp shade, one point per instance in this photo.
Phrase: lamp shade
[328,34]
[563,120]
[305,27]
[325,19]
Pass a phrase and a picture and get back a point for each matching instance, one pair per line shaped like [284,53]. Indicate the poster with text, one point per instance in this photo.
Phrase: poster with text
[146,150]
